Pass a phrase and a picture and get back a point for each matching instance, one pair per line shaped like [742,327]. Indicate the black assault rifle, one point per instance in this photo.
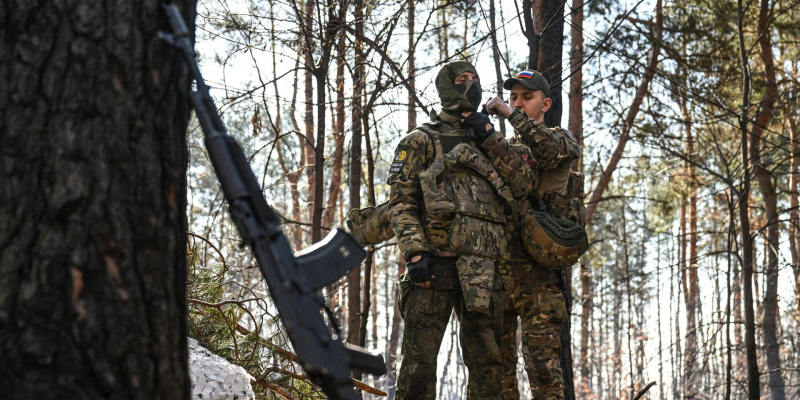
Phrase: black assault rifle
[293,279]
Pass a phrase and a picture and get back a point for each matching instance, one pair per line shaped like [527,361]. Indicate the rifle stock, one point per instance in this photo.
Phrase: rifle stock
[293,280]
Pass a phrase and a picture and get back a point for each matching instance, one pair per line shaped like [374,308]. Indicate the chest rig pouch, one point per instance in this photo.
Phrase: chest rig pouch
[462,182]
[552,240]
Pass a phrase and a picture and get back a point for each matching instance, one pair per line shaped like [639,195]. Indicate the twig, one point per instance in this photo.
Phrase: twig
[643,391]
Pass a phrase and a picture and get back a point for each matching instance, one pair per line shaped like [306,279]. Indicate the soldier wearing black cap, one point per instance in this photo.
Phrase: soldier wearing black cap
[532,289]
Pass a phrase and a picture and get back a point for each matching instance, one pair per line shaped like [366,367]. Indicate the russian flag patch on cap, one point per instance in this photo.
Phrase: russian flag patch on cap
[525,74]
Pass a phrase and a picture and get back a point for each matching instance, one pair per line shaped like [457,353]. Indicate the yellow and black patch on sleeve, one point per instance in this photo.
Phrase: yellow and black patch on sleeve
[400,158]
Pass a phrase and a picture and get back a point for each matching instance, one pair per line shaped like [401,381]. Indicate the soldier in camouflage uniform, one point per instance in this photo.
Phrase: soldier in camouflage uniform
[452,180]
[532,289]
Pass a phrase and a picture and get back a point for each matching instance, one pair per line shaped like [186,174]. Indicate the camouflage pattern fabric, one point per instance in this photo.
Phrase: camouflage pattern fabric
[416,231]
[426,313]
[514,169]
[554,243]
[551,147]
[532,292]
[370,225]
[535,298]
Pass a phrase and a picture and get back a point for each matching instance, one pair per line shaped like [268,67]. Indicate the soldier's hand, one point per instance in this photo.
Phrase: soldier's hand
[479,123]
[497,106]
[419,270]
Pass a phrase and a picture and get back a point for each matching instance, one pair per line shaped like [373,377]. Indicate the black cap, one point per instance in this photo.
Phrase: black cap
[530,79]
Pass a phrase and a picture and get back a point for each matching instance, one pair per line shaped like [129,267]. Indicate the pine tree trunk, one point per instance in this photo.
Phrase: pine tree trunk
[496,58]
[412,71]
[769,194]
[354,277]
[94,110]
[308,52]
[753,387]
[394,337]
[335,186]
[691,288]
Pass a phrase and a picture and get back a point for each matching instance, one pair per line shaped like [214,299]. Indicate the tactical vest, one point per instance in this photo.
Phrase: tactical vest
[461,189]
[551,231]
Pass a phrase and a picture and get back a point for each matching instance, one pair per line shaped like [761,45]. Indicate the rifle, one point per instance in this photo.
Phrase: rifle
[293,279]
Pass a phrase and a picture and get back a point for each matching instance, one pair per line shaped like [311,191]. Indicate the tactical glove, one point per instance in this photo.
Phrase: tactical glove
[420,271]
[478,121]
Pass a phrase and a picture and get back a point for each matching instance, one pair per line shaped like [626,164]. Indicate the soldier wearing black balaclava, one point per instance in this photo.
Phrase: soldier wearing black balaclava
[452,180]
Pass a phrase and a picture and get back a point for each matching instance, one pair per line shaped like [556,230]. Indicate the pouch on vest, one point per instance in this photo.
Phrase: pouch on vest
[370,225]
[556,243]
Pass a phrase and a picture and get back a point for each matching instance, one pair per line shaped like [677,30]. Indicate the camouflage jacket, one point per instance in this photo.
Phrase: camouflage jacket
[553,150]
[426,228]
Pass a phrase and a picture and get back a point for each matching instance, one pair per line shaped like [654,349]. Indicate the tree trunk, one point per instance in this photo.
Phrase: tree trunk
[691,287]
[630,118]
[394,337]
[294,176]
[354,277]
[575,124]
[308,52]
[412,71]
[768,193]
[496,58]
[794,204]
[335,186]
[744,225]
[93,205]
[550,32]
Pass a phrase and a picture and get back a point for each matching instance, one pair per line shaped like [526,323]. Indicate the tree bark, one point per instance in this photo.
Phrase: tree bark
[308,52]
[630,118]
[794,204]
[397,321]
[753,392]
[691,286]
[354,277]
[768,193]
[335,186]
[94,110]
[412,71]
[496,58]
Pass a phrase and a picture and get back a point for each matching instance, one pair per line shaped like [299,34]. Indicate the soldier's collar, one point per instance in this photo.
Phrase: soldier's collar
[454,120]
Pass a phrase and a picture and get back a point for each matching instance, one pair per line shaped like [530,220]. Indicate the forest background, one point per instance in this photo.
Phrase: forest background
[686,112]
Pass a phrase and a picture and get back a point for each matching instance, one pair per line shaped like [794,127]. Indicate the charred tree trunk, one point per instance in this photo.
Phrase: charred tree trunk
[94,113]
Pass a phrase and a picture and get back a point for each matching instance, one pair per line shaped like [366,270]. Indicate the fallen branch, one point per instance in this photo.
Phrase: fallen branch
[288,355]
[643,391]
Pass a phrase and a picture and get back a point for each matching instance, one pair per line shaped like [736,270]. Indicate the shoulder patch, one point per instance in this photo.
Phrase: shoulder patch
[400,157]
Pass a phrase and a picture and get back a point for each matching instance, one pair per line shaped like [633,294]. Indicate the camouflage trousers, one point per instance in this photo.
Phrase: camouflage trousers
[426,313]
[533,294]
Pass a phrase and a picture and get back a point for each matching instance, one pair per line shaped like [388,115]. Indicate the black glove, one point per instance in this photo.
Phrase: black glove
[420,270]
[478,121]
